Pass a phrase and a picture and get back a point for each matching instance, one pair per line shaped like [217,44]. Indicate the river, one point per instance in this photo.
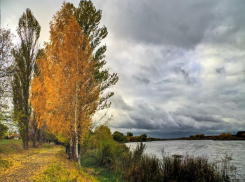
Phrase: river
[213,150]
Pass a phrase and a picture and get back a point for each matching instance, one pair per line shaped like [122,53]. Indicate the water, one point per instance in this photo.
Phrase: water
[213,150]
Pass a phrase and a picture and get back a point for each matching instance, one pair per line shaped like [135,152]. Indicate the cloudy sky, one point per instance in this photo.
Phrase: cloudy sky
[181,63]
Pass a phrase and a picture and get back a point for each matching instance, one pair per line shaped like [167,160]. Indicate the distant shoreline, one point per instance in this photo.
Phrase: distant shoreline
[172,139]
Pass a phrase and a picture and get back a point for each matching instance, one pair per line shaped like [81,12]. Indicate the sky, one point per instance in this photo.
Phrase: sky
[181,63]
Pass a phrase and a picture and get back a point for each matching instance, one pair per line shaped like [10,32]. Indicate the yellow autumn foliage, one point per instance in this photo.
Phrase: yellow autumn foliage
[65,94]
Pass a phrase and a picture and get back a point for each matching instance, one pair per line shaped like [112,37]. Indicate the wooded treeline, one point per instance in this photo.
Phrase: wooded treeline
[57,88]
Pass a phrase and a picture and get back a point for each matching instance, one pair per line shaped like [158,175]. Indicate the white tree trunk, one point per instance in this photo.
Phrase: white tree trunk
[75,123]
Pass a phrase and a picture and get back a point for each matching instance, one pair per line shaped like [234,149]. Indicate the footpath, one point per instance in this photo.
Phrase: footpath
[26,165]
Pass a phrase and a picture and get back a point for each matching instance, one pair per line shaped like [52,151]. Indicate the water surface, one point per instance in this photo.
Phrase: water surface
[213,150]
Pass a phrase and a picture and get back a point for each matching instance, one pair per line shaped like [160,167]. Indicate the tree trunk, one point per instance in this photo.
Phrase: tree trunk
[26,133]
[75,127]
[34,142]
[25,139]
[40,135]
[77,156]
[72,149]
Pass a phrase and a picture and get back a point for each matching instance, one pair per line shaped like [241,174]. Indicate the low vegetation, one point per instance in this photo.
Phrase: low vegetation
[101,151]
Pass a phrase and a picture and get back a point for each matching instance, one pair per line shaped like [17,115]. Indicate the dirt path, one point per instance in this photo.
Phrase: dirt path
[27,165]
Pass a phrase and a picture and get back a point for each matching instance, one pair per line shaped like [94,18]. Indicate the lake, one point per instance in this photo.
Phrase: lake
[213,150]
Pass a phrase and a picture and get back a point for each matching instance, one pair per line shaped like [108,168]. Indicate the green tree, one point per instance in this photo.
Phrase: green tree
[6,44]
[117,136]
[3,131]
[143,137]
[24,56]
[129,134]
[89,19]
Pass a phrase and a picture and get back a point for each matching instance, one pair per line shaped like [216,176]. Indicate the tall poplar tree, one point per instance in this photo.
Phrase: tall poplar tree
[25,55]
[89,20]
[65,94]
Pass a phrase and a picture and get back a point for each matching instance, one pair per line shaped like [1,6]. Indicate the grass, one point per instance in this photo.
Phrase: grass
[10,146]
[91,166]
[15,146]
[47,145]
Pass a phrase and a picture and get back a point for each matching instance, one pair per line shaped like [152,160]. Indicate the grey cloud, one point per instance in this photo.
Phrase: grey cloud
[199,113]
[177,23]
[186,76]
[141,80]
[118,103]
[184,121]
[220,70]
[228,27]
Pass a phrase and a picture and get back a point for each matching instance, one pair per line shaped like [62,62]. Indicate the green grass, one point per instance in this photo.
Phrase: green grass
[47,145]
[10,146]
[90,165]
[4,142]
[90,162]
[107,176]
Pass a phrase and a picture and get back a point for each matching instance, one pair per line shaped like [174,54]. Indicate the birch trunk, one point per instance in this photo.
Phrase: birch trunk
[76,122]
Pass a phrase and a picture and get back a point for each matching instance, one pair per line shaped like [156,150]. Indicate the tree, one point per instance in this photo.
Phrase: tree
[3,131]
[24,56]
[33,130]
[223,136]
[89,19]
[6,44]
[65,94]
[117,136]
[6,69]
[129,134]
[143,137]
